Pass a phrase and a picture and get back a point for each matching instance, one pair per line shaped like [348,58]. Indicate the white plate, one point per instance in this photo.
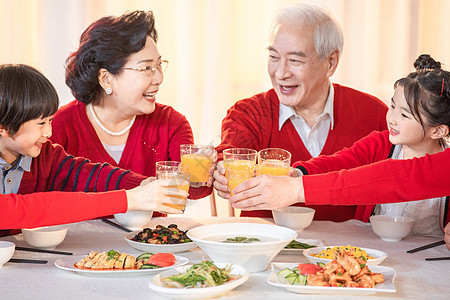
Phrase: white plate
[196,293]
[386,287]
[379,255]
[318,243]
[157,248]
[67,263]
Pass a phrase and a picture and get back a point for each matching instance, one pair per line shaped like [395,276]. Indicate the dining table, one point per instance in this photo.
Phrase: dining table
[415,278]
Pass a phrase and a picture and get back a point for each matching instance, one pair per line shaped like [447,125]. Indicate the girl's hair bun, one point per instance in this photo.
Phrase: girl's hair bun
[425,63]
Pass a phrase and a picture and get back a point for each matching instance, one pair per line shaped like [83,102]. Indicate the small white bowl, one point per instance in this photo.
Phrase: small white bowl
[45,237]
[6,251]
[134,219]
[294,217]
[254,256]
[391,228]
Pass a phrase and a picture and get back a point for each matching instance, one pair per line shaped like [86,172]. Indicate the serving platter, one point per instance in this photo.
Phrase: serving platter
[67,263]
[156,248]
[378,255]
[386,287]
[197,293]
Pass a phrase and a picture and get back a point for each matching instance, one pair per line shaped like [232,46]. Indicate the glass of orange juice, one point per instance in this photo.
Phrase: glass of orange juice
[179,179]
[274,161]
[239,164]
[198,159]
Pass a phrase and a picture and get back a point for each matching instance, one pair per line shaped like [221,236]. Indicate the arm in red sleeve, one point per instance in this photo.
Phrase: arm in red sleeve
[372,148]
[386,181]
[52,208]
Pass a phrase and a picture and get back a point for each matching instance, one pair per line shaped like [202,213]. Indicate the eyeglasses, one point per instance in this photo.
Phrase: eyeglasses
[150,71]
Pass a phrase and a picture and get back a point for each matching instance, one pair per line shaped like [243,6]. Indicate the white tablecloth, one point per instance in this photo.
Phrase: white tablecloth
[416,278]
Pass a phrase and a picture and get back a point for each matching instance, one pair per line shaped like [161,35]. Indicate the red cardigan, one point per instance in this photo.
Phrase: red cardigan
[253,123]
[54,208]
[368,177]
[154,137]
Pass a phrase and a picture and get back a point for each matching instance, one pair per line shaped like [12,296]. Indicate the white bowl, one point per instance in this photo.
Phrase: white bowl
[6,251]
[294,217]
[255,256]
[134,219]
[197,293]
[378,255]
[45,237]
[156,248]
[391,228]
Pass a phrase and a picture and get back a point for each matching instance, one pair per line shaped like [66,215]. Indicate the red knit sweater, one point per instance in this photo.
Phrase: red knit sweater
[368,177]
[253,123]
[54,208]
[153,137]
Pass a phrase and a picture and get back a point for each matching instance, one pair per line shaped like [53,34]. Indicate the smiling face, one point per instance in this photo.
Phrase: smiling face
[134,92]
[404,129]
[27,141]
[298,75]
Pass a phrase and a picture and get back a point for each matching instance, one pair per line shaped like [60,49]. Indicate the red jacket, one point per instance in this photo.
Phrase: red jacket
[367,177]
[253,123]
[154,137]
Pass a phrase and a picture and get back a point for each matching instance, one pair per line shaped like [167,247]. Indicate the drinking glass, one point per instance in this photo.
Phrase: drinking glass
[274,161]
[198,159]
[179,179]
[239,164]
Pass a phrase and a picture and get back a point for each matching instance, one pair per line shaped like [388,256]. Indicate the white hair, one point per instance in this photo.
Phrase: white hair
[328,35]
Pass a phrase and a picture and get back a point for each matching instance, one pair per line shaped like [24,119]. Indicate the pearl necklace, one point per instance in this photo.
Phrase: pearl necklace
[102,127]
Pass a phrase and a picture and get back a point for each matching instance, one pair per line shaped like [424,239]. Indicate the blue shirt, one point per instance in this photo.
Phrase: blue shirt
[11,176]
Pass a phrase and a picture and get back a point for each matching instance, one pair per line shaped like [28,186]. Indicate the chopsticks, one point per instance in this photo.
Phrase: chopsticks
[435,244]
[42,250]
[438,258]
[28,261]
[116,225]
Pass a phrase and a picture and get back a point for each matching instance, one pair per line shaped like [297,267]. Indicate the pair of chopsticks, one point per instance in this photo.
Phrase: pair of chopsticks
[42,250]
[435,244]
[28,261]
[116,225]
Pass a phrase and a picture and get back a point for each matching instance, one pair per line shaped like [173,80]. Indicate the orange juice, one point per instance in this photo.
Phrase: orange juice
[238,171]
[274,167]
[198,166]
[180,181]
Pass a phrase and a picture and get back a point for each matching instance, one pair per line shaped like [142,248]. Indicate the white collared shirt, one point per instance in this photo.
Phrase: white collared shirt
[313,138]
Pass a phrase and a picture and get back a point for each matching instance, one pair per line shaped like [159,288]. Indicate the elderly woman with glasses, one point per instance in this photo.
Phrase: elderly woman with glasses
[115,76]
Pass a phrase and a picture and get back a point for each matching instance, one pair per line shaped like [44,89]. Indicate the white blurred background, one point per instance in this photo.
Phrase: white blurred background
[217,48]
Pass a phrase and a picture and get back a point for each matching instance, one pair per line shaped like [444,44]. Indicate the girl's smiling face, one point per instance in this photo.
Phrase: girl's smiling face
[27,141]
[404,128]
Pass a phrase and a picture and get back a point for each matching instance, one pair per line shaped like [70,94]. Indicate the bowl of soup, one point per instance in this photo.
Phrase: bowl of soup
[250,245]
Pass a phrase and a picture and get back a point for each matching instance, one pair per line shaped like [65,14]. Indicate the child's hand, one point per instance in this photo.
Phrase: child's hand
[152,196]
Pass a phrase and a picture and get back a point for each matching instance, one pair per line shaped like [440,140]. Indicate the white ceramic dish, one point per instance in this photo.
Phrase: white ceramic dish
[197,293]
[254,256]
[6,251]
[379,255]
[318,243]
[386,287]
[154,248]
[297,218]
[134,219]
[47,237]
[67,263]
[391,228]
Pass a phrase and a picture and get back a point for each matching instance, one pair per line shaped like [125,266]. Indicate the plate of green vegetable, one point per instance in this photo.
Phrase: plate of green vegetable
[202,280]
[298,245]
